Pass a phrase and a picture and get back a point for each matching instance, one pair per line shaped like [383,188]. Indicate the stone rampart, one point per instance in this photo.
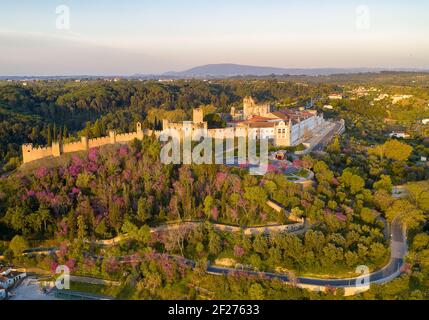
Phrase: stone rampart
[30,153]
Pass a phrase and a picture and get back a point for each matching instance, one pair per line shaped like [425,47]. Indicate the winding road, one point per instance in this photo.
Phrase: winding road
[398,246]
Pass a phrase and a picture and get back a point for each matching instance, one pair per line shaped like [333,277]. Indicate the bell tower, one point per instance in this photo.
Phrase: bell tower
[248,102]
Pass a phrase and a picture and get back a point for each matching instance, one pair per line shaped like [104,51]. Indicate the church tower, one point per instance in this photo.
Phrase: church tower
[248,107]
[248,102]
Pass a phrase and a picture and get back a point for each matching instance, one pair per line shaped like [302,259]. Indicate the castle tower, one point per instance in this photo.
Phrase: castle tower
[198,115]
[85,143]
[112,135]
[56,149]
[26,152]
[139,131]
[248,107]
[248,102]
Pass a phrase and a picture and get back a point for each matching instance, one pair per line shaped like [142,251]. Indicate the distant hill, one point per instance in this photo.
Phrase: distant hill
[224,70]
[227,70]
[232,70]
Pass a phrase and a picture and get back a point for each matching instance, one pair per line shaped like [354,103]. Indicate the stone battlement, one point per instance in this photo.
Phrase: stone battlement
[30,153]
[125,137]
[96,139]
[275,128]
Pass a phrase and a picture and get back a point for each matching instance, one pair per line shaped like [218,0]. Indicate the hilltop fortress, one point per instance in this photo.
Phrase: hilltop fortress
[283,128]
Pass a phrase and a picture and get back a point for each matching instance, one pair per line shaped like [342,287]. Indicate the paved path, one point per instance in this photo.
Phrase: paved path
[289,228]
[398,247]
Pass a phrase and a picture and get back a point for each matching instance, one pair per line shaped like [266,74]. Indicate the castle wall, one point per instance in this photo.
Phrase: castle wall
[241,132]
[150,133]
[127,137]
[221,133]
[98,142]
[73,147]
[31,154]
[284,135]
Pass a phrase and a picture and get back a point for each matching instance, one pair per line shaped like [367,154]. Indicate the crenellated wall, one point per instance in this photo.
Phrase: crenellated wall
[127,137]
[30,153]
[73,147]
[98,142]
[284,134]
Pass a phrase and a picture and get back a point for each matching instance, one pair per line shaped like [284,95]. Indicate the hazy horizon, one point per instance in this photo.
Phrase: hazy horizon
[170,72]
[147,37]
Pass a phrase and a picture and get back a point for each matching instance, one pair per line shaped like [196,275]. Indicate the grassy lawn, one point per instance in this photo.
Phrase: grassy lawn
[292,178]
[345,274]
[93,288]
[122,292]
[302,173]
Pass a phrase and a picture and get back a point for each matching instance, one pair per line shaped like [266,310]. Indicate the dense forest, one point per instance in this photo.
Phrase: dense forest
[119,190]
[43,111]
[124,190]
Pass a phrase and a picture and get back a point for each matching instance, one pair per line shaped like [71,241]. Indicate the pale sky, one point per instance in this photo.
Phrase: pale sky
[130,36]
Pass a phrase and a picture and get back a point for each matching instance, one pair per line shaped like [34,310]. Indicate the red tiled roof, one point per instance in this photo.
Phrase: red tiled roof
[261,124]
[284,115]
[260,119]
[280,115]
